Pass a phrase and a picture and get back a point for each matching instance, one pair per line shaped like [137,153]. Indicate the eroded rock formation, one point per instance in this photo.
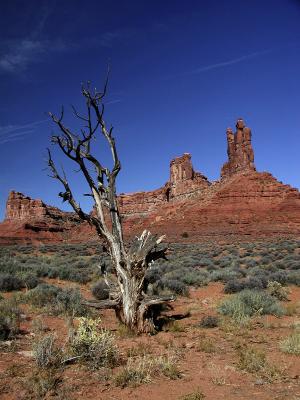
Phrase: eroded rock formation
[239,150]
[29,220]
[244,202]
[183,179]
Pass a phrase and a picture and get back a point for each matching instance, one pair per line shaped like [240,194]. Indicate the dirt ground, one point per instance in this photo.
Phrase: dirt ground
[207,358]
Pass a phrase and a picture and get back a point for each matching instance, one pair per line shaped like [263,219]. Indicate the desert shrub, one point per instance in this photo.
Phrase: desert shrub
[249,303]
[56,300]
[291,344]
[197,395]
[226,261]
[250,263]
[42,270]
[153,274]
[209,321]
[174,286]
[45,380]
[47,353]
[42,295]
[69,302]
[205,262]
[29,279]
[266,259]
[294,278]
[139,370]
[259,282]
[100,290]
[234,286]
[96,347]
[69,274]
[211,267]
[254,361]
[9,318]
[251,359]
[279,276]
[206,345]
[9,283]
[226,275]
[294,265]
[194,277]
[275,289]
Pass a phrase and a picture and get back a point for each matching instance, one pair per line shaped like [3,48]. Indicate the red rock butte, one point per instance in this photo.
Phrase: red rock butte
[243,203]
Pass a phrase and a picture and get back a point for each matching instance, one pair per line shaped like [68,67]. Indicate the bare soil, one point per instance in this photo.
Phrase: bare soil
[211,369]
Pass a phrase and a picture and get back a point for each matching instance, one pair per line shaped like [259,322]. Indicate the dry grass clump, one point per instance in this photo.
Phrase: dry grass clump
[206,345]
[197,395]
[276,289]
[139,370]
[254,361]
[47,376]
[291,344]
[93,345]
[46,352]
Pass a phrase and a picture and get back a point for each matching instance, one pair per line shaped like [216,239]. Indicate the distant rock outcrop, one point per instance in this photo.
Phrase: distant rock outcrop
[183,179]
[239,150]
[243,203]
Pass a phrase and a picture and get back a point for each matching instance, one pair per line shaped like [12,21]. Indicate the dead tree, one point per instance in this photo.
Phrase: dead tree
[132,306]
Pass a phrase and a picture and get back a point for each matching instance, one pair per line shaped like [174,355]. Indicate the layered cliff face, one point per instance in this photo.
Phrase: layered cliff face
[243,203]
[246,205]
[20,207]
[29,220]
[184,183]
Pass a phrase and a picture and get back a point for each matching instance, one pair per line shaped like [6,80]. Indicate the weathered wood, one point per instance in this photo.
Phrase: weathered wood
[101,304]
[132,306]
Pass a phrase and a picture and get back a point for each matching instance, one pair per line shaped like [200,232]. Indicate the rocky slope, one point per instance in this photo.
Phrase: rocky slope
[243,202]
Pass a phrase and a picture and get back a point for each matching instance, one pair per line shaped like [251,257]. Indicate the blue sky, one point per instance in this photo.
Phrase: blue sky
[181,73]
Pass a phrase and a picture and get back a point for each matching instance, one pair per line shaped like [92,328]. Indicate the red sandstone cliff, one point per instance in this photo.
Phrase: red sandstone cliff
[243,202]
[239,150]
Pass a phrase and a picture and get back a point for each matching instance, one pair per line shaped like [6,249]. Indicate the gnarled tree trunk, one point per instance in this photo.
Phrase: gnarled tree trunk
[133,307]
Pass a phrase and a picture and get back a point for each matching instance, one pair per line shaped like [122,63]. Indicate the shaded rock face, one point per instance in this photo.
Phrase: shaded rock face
[239,150]
[243,203]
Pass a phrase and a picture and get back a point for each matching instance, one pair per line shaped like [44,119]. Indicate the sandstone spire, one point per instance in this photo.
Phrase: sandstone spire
[239,150]
[183,178]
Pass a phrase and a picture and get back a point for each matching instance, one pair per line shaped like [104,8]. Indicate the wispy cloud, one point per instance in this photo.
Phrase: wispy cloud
[231,62]
[11,133]
[16,55]
[113,101]
[19,54]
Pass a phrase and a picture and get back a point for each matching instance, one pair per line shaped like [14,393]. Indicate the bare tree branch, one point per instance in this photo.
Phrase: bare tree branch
[127,296]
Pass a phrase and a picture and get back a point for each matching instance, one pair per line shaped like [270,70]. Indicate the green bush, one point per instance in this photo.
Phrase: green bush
[95,346]
[57,301]
[249,303]
[9,318]
[43,295]
[9,283]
